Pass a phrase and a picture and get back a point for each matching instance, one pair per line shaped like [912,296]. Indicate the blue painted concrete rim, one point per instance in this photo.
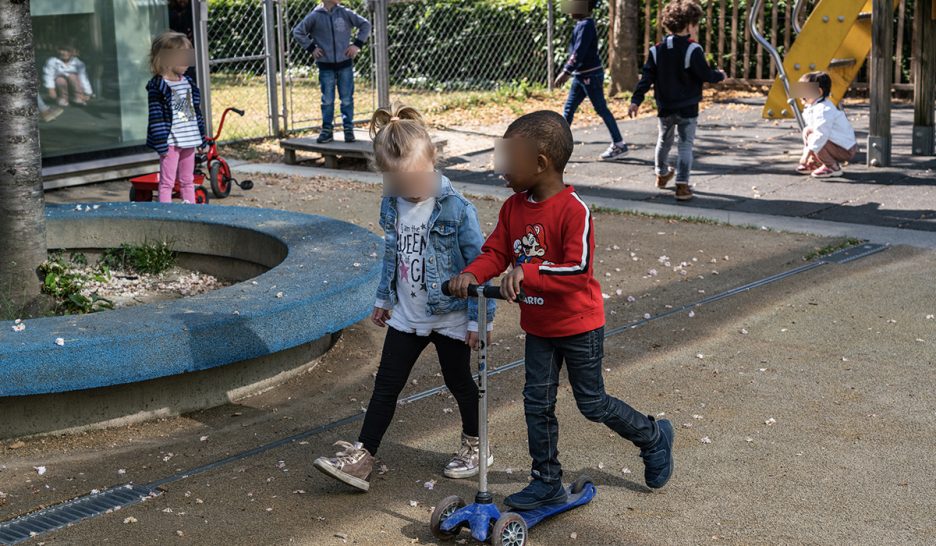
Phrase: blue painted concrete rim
[325,283]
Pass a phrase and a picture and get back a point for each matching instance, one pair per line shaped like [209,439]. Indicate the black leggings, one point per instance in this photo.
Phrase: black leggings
[400,352]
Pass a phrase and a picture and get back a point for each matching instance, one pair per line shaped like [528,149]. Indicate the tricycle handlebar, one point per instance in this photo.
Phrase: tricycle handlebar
[490,291]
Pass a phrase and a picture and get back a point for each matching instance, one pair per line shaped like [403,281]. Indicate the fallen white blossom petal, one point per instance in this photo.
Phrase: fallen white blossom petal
[413,503]
[40,470]
[573,536]
[652,272]
[697,417]
[279,294]
[700,356]
[130,519]
[619,292]
[744,331]
[770,421]
[60,342]
[705,440]
[647,316]
[749,439]
[600,466]
[625,470]
[203,439]
[929,317]
[356,264]
[606,296]
[121,471]
[691,314]
[19,327]
[687,425]
[430,485]
[631,299]
[447,410]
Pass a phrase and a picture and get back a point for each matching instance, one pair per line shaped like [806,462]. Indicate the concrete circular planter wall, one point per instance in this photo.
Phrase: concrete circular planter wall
[316,276]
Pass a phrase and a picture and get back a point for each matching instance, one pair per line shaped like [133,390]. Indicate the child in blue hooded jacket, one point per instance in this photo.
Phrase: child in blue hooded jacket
[326,33]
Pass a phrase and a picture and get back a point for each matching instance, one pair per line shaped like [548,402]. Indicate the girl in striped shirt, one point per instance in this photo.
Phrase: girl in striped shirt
[176,126]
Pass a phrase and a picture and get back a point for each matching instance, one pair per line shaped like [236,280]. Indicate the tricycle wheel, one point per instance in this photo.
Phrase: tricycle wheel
[220,185]
[443,511]
[510,530]
[201,195]
[579,485]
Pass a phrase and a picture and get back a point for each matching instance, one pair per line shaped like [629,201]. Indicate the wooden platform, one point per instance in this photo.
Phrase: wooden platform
[361,148]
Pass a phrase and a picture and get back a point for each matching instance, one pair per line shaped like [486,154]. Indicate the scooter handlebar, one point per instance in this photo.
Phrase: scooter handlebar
[490,291]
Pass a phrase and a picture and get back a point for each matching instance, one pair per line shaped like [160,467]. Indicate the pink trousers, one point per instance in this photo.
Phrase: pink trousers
[178,162]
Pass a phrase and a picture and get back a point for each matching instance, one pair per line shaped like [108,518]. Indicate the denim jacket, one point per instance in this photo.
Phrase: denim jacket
[455,240]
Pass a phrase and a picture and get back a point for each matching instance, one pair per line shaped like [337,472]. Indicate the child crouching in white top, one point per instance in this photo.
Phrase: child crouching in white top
[828,139]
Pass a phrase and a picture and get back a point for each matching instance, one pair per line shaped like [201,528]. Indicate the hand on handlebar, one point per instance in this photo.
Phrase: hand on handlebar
[510,284]
[458,287]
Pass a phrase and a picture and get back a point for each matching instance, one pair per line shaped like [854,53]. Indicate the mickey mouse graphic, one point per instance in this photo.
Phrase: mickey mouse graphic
[530,249]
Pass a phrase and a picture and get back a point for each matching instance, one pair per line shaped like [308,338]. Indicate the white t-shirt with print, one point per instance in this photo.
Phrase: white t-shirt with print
[411,312]
[185,132]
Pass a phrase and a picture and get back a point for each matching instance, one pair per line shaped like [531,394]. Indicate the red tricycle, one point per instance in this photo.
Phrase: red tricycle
[219,174]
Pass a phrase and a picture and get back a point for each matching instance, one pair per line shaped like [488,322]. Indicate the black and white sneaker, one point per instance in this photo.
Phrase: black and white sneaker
[325,138]
[614,151]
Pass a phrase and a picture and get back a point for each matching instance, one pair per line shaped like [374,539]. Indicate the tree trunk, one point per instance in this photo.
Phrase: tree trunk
[623,58]
[22,206]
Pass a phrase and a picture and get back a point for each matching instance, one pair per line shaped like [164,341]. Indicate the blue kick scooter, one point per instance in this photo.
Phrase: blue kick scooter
[482,518]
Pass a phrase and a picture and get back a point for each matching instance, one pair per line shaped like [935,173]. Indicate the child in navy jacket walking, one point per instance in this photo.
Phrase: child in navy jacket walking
[584,67]
[676,69]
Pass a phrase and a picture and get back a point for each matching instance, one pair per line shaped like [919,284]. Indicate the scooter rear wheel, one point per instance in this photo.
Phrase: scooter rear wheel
[510,530]
[442,511]
[579,485]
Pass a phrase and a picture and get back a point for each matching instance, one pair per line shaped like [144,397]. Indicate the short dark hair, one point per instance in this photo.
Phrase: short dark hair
[549,131]
[823,79]
[679,14]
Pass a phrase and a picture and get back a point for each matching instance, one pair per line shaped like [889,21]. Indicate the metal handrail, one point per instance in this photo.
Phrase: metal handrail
[778,61]
[798,8]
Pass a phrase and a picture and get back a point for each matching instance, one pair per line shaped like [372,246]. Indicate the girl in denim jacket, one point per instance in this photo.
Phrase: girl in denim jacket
[432,233]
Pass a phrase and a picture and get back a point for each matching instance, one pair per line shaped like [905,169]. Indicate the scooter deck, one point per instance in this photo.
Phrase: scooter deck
[532,517]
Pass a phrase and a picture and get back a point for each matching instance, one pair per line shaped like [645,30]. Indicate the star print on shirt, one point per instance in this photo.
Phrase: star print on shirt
[413,295]
[404,271]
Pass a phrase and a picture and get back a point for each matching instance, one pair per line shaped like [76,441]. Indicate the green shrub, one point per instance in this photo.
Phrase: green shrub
[147,258]
[63,281]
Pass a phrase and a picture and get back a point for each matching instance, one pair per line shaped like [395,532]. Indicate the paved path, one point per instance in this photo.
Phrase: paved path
[745,164]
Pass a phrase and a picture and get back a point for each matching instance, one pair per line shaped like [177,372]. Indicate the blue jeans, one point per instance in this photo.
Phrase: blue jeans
[582,354]
[669,127]
[343,78]
[591,85]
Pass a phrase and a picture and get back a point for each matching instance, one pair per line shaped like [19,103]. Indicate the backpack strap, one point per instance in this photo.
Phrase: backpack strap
[692,47]
[653,54]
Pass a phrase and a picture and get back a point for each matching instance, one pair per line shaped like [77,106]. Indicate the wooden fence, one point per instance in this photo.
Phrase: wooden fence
[728,42]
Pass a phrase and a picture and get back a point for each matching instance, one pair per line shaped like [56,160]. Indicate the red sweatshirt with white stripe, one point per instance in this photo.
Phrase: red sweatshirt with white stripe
[554,242]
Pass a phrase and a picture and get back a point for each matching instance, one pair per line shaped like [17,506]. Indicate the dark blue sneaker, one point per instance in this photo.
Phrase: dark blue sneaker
[349,136]
[538,493]
[658,458]
[325,137]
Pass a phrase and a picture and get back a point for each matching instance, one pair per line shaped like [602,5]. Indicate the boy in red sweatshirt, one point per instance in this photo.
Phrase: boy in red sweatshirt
[545,232]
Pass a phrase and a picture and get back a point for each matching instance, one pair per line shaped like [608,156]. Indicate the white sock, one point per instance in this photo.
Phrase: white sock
[620,144]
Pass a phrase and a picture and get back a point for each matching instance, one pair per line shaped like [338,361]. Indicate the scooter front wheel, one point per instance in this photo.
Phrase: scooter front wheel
[442,511]
[510,530]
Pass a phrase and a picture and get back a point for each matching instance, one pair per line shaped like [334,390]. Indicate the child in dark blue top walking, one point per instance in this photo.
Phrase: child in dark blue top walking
[676,69]
[584,67]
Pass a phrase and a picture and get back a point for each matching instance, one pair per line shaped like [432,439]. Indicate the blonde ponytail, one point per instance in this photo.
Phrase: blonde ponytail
[399,136]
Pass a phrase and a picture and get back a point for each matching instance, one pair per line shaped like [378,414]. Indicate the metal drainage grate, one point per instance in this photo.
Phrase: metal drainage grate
[853,253]
[73,511]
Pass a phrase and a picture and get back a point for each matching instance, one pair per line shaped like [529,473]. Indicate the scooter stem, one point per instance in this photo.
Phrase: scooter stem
[483,496]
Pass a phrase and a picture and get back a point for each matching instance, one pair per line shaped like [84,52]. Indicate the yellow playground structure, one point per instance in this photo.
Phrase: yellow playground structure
[837,38]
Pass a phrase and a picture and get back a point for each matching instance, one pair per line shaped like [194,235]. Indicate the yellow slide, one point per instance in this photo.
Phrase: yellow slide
[836,39]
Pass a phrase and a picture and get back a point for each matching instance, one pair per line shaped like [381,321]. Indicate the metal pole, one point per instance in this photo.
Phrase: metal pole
[483,495]
[269,45]
[282,46]
[550,54]
[797,12]
[879,86]
[202,69]
[381,52]
[778,61]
